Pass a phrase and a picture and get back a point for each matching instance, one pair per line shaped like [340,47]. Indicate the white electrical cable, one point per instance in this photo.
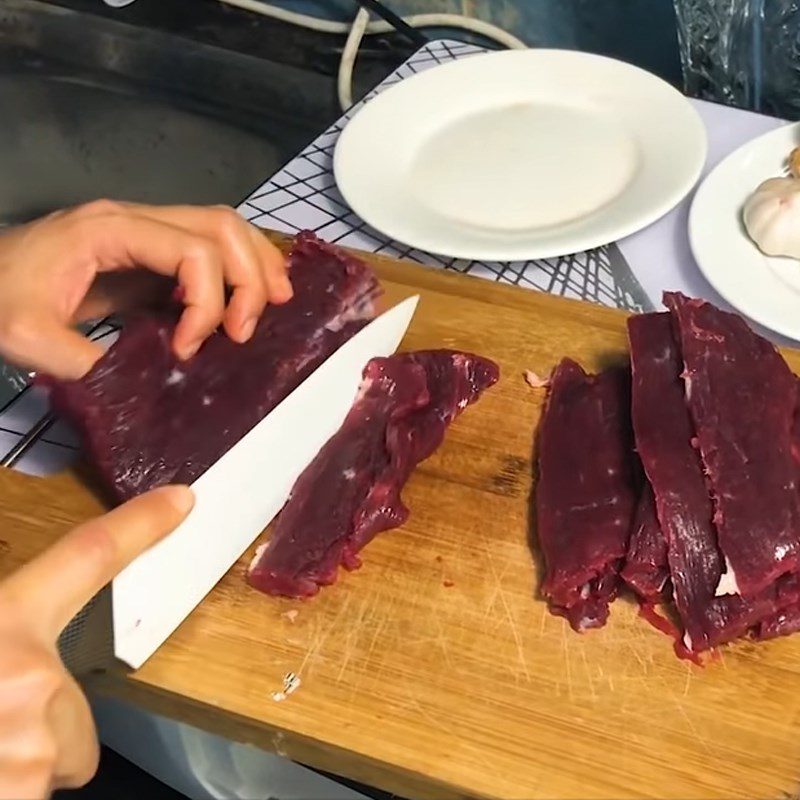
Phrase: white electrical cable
[362,26]
[344,81]
[478,26]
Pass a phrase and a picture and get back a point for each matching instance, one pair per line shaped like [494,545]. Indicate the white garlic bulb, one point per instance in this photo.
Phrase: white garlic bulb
[772,217]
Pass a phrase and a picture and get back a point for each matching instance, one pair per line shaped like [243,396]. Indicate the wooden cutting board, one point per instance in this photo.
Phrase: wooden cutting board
[435,671]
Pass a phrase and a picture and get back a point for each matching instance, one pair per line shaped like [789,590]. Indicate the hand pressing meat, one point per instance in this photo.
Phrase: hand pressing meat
[106,256]
[351,491]
[147,418]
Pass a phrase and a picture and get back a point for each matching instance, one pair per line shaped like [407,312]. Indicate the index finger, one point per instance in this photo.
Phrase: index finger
[129,240]
[254,267]
[52,588]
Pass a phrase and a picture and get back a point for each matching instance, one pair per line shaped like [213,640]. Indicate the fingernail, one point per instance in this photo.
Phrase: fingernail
[190,349]
[248,327]
[182,497]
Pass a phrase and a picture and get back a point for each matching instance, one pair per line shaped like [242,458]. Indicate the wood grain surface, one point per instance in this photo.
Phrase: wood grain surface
[435,671]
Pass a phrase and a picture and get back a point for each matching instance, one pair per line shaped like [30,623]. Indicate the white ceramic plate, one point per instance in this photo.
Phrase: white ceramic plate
[765,289]
[520,154]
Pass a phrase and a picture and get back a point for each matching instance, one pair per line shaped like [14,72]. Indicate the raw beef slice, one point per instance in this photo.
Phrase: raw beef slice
[586,493]
[646,569]
[664,434]
[742,397]
[351,491]
[785,620]
[148,419]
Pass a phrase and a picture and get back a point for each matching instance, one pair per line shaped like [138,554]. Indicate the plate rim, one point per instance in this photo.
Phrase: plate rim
[695,128]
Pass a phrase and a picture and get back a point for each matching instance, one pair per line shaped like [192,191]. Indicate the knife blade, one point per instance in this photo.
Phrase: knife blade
[239,495]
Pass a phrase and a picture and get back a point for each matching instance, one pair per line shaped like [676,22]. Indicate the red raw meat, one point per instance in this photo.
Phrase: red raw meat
[742,398]
[664,434]
[586,493]
[786,620]
[148,419]
[351,491]
[646,570]
[781,623]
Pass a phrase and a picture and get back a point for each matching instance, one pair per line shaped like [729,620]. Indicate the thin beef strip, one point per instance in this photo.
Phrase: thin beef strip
[664,435]
[786,620]
[586,493]
[742,397]
[351,491]
[646,569]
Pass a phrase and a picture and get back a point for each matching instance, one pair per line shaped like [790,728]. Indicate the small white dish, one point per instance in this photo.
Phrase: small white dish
[763,288]
[520,154]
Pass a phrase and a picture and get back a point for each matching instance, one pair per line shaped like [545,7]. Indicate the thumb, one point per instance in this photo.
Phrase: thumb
[49,346]
[52,588]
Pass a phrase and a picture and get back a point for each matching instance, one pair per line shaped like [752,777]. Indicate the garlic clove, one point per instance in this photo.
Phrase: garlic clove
[771,217]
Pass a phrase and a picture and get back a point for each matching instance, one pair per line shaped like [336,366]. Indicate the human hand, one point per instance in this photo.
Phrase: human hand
[86,262]
[47,735]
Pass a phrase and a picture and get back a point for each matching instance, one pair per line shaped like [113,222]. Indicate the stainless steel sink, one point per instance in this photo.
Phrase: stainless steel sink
[95,107]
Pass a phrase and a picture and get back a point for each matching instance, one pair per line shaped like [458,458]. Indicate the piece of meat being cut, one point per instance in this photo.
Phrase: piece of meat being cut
[587,491]
[352,490]
[646,569]
[742,397]
[147,419]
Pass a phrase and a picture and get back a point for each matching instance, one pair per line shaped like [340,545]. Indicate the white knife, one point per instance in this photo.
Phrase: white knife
[238,496]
